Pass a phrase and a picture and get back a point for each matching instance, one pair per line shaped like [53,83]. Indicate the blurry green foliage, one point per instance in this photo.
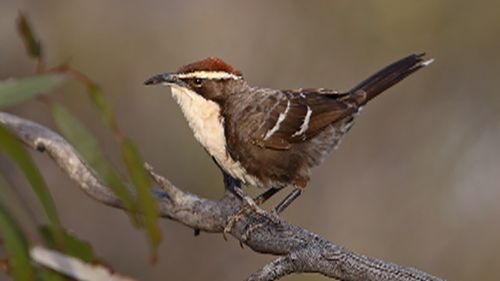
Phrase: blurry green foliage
[16,247]
[144,203]
[33,45]
[132,159]
[14,91]
[140,178]
[102,106]
[73,245]
[76,133]
[49,275]
[16,152]
[139,202]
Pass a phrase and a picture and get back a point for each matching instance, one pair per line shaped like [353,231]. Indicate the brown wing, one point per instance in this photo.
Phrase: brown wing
[302,114]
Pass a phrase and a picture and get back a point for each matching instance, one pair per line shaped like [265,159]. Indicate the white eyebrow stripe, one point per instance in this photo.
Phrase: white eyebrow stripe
[208,75]
[276,126]
[305,124]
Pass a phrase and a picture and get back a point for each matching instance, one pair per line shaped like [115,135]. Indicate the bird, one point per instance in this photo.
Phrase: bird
[271,138]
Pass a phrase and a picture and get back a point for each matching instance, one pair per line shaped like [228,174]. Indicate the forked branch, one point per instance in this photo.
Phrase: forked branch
[299,249]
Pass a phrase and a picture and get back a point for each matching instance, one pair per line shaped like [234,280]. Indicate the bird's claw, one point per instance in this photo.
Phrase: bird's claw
[249,207]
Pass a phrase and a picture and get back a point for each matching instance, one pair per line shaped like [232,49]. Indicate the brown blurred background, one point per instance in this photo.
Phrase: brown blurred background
[415,182]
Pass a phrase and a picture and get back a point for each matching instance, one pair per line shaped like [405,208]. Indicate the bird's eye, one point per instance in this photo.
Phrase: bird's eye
[197,82]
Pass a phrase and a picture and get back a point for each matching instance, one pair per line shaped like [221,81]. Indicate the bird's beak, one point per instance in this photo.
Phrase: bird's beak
[164,78]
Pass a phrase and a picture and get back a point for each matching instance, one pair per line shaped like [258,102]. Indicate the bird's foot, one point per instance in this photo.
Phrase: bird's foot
[269,217]
[249,207]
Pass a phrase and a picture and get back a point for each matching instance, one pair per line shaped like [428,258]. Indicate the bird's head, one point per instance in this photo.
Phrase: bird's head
[211,78]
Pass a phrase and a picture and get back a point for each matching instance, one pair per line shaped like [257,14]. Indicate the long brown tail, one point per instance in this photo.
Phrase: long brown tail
[390,75]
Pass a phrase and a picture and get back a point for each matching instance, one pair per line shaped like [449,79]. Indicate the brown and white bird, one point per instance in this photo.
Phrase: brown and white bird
[265,137]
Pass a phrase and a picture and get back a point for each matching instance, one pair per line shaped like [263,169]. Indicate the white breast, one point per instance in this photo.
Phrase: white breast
[205,120]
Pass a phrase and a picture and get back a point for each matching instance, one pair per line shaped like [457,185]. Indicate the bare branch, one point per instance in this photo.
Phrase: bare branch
[300,250]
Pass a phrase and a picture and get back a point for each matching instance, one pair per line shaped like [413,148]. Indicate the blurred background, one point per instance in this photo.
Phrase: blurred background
[416,181]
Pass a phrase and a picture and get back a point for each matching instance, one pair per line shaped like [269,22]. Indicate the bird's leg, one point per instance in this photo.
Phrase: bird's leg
[273,217]
[263,197]
[238,191]
[248,207]
[288,200]
[251,205]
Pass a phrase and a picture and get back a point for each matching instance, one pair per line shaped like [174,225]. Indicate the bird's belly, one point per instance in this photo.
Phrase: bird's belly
[204,118]
[212,138]
[237,171]
[216,147]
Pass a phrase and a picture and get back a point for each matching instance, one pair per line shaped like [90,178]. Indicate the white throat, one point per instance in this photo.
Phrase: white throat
[204,118]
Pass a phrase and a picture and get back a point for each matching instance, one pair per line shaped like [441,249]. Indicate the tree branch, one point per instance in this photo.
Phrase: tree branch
[299,249]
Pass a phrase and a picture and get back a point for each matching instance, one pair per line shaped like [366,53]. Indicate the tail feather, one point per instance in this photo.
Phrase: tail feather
[390,75]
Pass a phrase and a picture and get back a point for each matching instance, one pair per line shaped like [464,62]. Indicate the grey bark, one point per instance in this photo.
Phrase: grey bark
[299,250]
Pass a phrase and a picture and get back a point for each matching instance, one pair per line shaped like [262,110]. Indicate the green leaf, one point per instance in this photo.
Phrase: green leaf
[43,274]
[16,247]
[10,200]
[17,153]
[74,246]
[102,106]
[147,205]
[85,143]
[33,45]
[14,91]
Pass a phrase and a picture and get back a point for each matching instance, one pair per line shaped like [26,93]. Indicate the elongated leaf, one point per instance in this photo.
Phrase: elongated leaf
[146,206]
[14,91]
[33,45]
[74,246]
[16,247]
[9,198]
[140,178]
[43,274]
[76,133]
[17,153]
[102,106]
